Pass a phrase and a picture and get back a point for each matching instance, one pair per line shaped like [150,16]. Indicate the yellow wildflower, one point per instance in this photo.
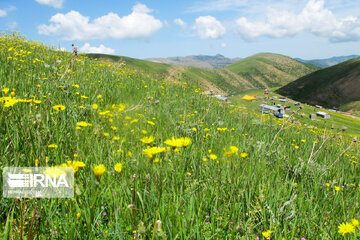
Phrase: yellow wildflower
[152,151]
[355,222]
[244,155]
[147,140]
[233,150]
[52,145]
[99,170]
[59,107]
[95,106]
[213,157]
[118,167]
[151,123]
[345,228]
[83,124]
[267,234]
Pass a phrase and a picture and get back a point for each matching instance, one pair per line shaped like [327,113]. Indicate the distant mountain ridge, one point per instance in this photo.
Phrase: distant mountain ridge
[330,87]
[328,62]
[263,70]
[200,61]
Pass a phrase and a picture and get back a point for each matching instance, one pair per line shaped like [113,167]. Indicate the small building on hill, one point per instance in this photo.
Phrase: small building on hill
[323,114]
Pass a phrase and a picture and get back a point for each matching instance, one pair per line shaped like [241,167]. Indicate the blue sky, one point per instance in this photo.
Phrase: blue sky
[234,28]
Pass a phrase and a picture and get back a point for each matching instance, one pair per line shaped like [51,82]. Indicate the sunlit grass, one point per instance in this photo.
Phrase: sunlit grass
[222,180]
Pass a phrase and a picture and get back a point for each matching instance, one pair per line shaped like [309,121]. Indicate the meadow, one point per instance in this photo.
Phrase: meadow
[157,159]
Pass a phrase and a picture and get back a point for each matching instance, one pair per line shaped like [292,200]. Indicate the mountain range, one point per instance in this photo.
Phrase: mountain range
[328,62]
[200,61]
[263,70]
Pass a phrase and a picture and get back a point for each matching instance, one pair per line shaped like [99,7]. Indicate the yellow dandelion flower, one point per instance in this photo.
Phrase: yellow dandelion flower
[267,234]
[59,107]
[118,167]
[152,151]
[53,146]
[147,140]
[99,170]
[355,222]
[5,90]
[83,124]
[244,155]
[337,188]
[78,215]
[213,157]
[151,123]
[116,138]
[95,106]
[345,228]
[233,150]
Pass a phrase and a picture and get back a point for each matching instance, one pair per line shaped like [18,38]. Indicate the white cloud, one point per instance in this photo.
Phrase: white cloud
[101,49]
[52,3]
[208,27]
[74,26]
[217,5]
[223,45]
[314,18]
[180,23]
[4,12]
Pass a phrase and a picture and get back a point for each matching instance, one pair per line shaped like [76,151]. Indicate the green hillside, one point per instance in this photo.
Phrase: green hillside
[133,63]
[266,70]
[259,71]
[331,87]
[156,159]
[353,107]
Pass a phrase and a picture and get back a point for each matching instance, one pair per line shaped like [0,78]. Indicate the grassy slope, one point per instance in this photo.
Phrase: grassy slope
[337,120]
[353,107]
[327,87]
[258,71]
[195,192]
[270,70]
[133,63]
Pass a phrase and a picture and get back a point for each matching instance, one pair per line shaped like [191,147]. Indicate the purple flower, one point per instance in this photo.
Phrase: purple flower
[54,232]
[102,208]
[207,216]
[216,211]
[303,238]
[104,213]
[207,222]
[231,223]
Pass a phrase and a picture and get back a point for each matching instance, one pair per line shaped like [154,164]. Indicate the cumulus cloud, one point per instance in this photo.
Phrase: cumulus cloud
[52,3]
[4,12]
[74,26]
[314,18]
[180,23]
[208,27]
[87,48]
